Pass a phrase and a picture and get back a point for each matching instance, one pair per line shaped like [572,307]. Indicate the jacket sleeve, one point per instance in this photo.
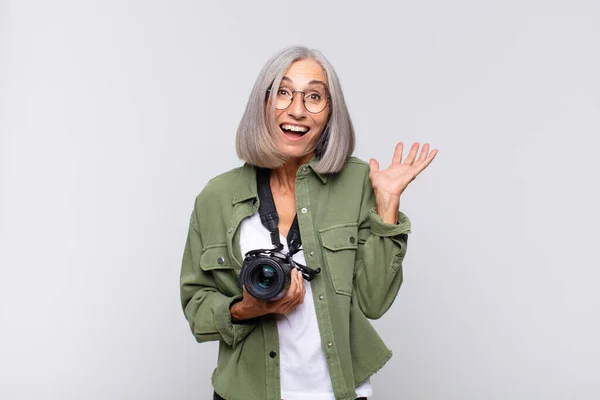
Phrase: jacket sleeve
[204,306]
[381,249]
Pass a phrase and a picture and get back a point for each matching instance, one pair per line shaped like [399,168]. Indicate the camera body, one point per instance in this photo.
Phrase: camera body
[266,274]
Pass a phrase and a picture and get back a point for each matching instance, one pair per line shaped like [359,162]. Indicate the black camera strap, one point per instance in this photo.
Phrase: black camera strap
[268,213]
[269,216]
[270,220]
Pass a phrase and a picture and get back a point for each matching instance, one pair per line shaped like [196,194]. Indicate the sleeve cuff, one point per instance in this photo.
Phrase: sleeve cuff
[380,228]
[232,333]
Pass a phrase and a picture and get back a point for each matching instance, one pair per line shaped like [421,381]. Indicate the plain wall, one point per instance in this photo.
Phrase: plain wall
[113,116]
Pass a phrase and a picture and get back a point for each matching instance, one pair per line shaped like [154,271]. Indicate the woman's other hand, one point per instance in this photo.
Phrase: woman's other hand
[251,307]
[388,184]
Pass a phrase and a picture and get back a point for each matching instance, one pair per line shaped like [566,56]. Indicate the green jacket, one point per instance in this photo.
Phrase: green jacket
[360,258]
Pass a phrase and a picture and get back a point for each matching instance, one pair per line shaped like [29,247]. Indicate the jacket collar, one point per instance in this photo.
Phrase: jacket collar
[312,164]
[246,187]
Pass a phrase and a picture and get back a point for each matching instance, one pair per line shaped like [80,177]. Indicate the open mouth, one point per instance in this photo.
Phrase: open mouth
[294,132]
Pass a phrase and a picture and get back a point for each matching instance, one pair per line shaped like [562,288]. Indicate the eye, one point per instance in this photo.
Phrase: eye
[283,92]
[314,96]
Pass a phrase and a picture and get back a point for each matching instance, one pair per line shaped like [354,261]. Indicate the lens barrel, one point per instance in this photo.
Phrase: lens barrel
[265,277]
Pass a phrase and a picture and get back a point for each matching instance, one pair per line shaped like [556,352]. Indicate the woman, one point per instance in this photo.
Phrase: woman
[315,342]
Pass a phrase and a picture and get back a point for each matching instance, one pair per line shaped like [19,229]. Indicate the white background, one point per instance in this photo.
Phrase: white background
[114,114]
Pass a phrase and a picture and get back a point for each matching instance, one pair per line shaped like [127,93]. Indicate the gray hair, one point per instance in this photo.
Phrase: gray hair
[255,139]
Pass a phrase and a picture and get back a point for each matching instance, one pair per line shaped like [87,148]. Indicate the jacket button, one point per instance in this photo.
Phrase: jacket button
[304,210]
[230,230]
[272,354]
[312,254]
[220,260]
[351,239]
[321,297]
[329,345]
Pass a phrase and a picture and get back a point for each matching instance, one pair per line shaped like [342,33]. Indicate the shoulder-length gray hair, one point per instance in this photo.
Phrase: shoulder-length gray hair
[255,140]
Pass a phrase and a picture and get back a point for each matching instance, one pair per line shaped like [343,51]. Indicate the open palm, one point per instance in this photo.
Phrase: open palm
[393,180]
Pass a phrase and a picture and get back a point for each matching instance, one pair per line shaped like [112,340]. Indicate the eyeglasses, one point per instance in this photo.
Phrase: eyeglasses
[314,101]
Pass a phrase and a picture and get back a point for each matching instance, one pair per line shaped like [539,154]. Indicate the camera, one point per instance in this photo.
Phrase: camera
[266,274]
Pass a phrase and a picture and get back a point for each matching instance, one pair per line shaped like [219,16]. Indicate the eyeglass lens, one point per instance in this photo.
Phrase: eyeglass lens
[315,101]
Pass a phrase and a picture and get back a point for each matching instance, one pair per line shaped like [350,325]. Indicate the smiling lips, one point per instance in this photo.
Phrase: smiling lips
[293,131]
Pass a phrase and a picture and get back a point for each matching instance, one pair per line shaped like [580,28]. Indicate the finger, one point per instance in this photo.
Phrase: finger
[300,279]
[430,158]
[299,298]
[293,297]
[410,158]
[397,159]
[298,287]
[373,166]
[289,294]
[422,157]
[420,166]
[303,294]
[301,287]
[292,300]
[424,153]
[294,287]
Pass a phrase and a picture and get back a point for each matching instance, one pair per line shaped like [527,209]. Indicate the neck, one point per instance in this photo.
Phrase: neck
[283,178]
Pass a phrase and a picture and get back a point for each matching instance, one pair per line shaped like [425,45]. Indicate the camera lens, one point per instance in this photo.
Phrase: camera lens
[265,278]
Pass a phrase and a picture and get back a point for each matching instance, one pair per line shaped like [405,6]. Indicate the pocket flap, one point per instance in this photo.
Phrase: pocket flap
[215,257]
[340,237]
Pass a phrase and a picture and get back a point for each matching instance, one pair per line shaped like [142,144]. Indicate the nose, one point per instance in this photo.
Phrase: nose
[296,109]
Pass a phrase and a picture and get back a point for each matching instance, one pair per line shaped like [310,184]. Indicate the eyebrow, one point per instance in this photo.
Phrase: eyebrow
[313,82]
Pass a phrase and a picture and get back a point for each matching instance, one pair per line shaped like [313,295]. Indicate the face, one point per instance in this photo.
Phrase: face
[297,129]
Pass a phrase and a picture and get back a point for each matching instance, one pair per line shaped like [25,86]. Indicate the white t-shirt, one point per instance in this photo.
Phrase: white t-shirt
[303,368]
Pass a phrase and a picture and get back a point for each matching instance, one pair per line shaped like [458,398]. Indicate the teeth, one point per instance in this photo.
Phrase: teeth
[294,128]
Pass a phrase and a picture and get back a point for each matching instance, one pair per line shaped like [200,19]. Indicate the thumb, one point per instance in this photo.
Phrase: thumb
[373,165]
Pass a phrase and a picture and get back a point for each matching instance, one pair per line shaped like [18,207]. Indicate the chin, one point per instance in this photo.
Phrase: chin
[296,154]
[297,150]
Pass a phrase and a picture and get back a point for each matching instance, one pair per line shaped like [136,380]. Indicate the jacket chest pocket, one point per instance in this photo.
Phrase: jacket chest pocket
[340,243]
[216,261]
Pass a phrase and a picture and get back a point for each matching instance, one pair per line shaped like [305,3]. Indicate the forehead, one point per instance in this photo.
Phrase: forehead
[304,71]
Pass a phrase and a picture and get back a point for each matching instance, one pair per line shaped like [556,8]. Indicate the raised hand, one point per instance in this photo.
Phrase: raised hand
[388,184]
